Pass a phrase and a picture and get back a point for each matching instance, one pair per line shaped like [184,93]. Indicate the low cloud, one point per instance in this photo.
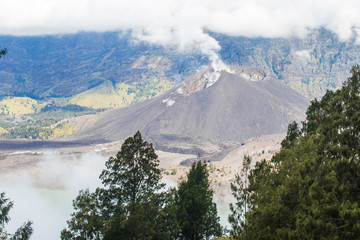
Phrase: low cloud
[182,24]
[43,193]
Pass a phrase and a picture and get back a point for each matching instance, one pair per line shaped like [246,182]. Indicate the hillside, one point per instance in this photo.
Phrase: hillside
[310,65]
[19,106]
[67,65]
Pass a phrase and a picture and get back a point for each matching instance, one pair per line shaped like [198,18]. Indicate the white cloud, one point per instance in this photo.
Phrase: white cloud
[180,23]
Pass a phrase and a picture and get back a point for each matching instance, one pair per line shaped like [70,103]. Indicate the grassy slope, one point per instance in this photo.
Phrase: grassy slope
[19,106]
[22,116]
[108,96]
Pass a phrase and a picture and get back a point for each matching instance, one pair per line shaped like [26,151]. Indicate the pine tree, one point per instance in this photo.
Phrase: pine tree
[197,213]
[133,173]
[311,188]
[130,205]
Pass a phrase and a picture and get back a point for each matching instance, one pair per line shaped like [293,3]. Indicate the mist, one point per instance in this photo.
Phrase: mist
[43,193]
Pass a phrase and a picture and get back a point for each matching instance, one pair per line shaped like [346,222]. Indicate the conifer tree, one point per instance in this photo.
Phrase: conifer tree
[197,213]
[129,206]
[311,188]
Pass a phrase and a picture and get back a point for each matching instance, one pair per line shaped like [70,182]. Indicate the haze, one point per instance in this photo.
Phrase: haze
[45,196]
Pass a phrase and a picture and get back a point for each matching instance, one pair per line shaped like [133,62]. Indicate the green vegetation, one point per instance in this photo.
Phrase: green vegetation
[128,205]
[23,233]
[36,128]
[310,189]
[19,106]
[24,117]
[133,204]
[122,95]
[49,123]
[197,214]
[3,52]
[62,130]
[47,71]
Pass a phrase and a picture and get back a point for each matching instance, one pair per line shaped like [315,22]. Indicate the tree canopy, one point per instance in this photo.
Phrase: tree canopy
[311,188]
[197,213]
[128,205]
[134,205]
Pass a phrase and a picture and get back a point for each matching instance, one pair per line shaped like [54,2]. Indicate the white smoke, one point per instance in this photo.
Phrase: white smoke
[213,74]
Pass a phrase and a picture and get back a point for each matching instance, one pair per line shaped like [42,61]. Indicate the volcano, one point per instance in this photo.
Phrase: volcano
[211,105]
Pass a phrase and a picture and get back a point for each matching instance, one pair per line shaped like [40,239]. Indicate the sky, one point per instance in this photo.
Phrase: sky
[181,23]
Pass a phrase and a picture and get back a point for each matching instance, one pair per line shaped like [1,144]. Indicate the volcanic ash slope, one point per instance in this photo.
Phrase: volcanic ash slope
[214,106]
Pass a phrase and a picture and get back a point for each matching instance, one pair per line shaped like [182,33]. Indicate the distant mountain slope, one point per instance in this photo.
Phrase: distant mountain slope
[239,105]
[67,65]
[311,65]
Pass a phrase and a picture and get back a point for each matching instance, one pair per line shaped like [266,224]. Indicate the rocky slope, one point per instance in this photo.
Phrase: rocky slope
[239,104]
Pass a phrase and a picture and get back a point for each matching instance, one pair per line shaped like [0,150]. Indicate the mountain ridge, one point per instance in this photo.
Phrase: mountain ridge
[66,65]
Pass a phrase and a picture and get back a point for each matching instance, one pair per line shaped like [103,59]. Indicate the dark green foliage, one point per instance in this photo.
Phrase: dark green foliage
[133,173]
[132,179]
[68,108]
[311,188]
[87,221]
[146,219]
[130,206]
[22,233]
[197,214]
[291,136]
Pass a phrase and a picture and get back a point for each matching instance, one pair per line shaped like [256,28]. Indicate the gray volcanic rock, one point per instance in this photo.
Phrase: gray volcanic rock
[241,104]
